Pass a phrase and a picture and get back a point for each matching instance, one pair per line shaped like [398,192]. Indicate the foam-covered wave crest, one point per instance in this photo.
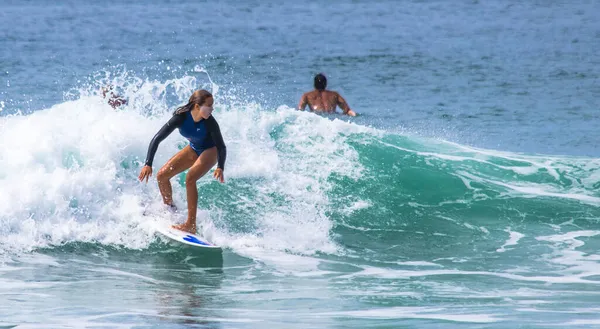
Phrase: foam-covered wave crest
[296,182]
[69,174]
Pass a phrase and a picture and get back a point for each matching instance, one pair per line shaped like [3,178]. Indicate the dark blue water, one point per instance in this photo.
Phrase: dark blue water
[504,75]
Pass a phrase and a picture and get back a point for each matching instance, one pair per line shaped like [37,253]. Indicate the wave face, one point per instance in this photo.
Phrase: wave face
[296,182]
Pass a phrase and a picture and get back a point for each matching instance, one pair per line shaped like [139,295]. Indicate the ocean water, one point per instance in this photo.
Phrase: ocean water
[466,194]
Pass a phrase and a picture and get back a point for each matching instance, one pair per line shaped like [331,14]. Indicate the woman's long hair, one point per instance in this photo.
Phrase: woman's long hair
[198,97]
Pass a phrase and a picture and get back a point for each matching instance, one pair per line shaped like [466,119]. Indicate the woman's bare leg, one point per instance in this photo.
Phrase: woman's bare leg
[181,161]
[205,161]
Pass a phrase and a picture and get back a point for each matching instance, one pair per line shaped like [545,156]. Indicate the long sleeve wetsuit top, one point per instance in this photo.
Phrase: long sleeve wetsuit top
[202,135]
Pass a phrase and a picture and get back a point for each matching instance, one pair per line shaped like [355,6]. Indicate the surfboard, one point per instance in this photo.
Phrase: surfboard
[185,237]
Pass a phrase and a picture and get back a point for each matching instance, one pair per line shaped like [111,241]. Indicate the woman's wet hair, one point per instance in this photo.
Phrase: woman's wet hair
[198,97]
[320,82]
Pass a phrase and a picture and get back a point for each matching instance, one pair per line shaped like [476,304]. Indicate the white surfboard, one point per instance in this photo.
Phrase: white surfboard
[184,237]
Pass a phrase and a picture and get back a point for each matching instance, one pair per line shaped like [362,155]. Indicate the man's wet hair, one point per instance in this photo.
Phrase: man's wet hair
[320,81]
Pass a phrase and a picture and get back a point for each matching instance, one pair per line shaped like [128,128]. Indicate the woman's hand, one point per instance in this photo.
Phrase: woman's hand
[219,175]
[145,173]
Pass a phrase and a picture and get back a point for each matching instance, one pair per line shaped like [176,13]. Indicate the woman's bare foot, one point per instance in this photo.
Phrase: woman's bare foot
[190,228]
[171,208]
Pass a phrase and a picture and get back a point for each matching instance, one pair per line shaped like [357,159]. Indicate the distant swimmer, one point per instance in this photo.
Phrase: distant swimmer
[206,148]
[321,100]
[114,100]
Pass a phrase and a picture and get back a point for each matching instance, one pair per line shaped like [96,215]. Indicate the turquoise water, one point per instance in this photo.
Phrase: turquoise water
[465,195]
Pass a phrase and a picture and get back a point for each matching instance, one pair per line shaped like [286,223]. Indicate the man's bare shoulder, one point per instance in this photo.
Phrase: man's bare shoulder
[322,93]
[331,94]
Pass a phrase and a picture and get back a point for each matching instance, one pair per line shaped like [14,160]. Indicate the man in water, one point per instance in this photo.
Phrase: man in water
[321,100]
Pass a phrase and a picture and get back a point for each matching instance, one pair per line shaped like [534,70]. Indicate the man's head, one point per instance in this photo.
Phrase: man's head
[320,82]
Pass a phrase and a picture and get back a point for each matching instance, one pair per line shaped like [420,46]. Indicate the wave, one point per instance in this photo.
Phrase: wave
[296,182]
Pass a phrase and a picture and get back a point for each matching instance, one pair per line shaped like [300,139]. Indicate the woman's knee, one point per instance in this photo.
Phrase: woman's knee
[163,175]
[191,179]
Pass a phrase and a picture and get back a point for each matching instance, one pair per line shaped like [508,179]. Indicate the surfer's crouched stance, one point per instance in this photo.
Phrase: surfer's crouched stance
[206,148]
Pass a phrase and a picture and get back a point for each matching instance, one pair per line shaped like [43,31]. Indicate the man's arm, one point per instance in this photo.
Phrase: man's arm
[303,102]
[341,102]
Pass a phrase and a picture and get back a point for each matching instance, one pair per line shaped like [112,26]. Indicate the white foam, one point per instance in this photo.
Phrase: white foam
[532,189]
[60,173]
[124,274]
[476,157]
[574,263]
[418,263]
[69,173]
[513,239]
[386,273]
[415,313]
[581,322]
[540,191]
[356,206]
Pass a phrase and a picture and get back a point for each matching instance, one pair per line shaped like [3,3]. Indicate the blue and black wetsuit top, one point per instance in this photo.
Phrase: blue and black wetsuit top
[202,135]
